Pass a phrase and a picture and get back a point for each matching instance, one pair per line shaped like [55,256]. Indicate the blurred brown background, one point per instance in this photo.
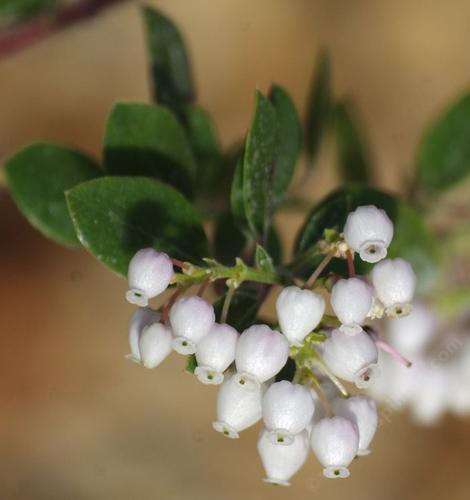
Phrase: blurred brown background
[79,422]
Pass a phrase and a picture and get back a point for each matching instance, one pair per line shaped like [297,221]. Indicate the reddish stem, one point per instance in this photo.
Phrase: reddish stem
[169,305]
[351,268]
[179,263]
[326,260]
[393,352]
[39,28]
[203,287]
[325,404]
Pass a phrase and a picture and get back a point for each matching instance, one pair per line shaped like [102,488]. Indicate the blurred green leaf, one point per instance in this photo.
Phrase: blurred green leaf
[352,158]
[170,69]
[274,245]
[318,107]
[260,151]
[229,241]
[288,143]
[412,239]
[236,196]
[37,176]
[263,260]
[13,11]
[444,152]
[204,143]
[145,139]
[244,307]
[116,216]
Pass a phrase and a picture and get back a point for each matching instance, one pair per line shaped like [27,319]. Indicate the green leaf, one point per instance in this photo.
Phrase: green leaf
[260,151]
[147,140]
[244,307]
[37,176]
[116,216]
[229,241]
[204,143]
[318,107]
[236,196]
[288,143]
[263,260]
[444,152]
[352,158]
[412,239]
[191,364]
[170,69]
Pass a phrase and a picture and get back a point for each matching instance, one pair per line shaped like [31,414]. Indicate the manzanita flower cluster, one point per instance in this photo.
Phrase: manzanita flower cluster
[313,410]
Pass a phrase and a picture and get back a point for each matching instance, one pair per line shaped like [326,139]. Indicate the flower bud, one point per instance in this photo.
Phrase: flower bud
[352,357]
[413,333]
[155,344]
[299,312]
[149,274]
[215,353]
[260,355]
[237,408]
[191,319]
[351,300]
[362,411]
[287,410]
[142,318]
[335,443]
[282,462]
[394,281]
[369,231]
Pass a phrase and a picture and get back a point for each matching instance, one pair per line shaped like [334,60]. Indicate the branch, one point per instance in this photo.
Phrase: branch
[18,37]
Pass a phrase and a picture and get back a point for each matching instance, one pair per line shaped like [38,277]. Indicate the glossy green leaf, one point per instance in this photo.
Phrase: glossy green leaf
[204,143]
[288,143]
[444,153]
[412,240]
[263,260]
[318,107]
[260,151]
[116,216]
[244,307]
[145,139]
[351,154]
[170,70]
[37,176]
